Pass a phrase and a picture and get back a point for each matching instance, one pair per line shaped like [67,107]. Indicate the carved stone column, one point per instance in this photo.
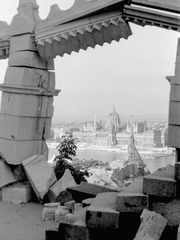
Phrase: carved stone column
[27,91]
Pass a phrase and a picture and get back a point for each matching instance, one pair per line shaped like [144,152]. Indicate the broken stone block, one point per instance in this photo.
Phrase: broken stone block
[161,183]
[159,186]
[22,43]
[87,202]
[28,59]
[76,216]
[74,231]
[6,175]
[151,227]
[135,187]
[77,207]
[67,180]
[102,211]
[48,212]
[87,190]
[131,202]
[52,234]
[17,193]
[70,205]
[60,212]
[40,174]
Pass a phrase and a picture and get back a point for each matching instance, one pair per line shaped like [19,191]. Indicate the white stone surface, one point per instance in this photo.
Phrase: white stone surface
[24,128]
[6,175]
[19,193]
[24,105]
[21,150]
[67,180]
[151,227]
[40,174]
[22,43]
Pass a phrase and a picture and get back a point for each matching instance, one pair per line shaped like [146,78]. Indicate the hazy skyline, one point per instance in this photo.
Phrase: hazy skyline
[131,74]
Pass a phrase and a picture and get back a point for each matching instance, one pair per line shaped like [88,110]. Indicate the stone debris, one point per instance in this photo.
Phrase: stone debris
[40,174]
[161,183]
[151,227]
[87,190]
[6,175]
[17,193]
[48,212]
[102,211]
[132,202]
[60,212]
[74,231]
[67,180]
[70,205]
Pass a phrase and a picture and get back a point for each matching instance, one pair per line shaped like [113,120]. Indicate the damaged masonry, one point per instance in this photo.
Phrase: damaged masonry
[148,203]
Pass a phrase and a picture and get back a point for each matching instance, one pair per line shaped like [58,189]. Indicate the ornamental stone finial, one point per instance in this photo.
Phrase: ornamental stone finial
[26,19]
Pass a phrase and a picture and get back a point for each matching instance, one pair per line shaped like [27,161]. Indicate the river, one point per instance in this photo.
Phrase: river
[105,156]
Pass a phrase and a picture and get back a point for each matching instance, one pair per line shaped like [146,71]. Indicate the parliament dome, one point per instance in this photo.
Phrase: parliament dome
[114,120]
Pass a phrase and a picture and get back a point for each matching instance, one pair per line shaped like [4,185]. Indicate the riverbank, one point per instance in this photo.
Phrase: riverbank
[145,153]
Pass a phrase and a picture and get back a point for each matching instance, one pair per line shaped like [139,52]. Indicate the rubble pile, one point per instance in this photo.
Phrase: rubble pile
[146,205]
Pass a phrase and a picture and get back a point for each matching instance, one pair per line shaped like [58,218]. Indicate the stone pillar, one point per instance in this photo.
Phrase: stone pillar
[27,91]
[174,107]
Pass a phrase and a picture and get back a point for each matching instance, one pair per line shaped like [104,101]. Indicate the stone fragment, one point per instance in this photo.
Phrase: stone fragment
[77,230]
[67,180]
[48,212]
[40,174]
[6,175]
[79,215]
[22,43]
[87,202]
[102,211]
[151,227]
[60,212]
[131,199]
[87,190]
[159,186]
[52,234]
[77,207]
[70,205]
[131,202]
[161,183]
[17,193]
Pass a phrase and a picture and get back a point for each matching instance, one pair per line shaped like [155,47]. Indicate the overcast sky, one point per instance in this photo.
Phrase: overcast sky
[131,74]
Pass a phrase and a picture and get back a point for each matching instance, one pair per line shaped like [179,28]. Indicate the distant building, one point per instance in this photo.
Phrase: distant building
[93,134]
